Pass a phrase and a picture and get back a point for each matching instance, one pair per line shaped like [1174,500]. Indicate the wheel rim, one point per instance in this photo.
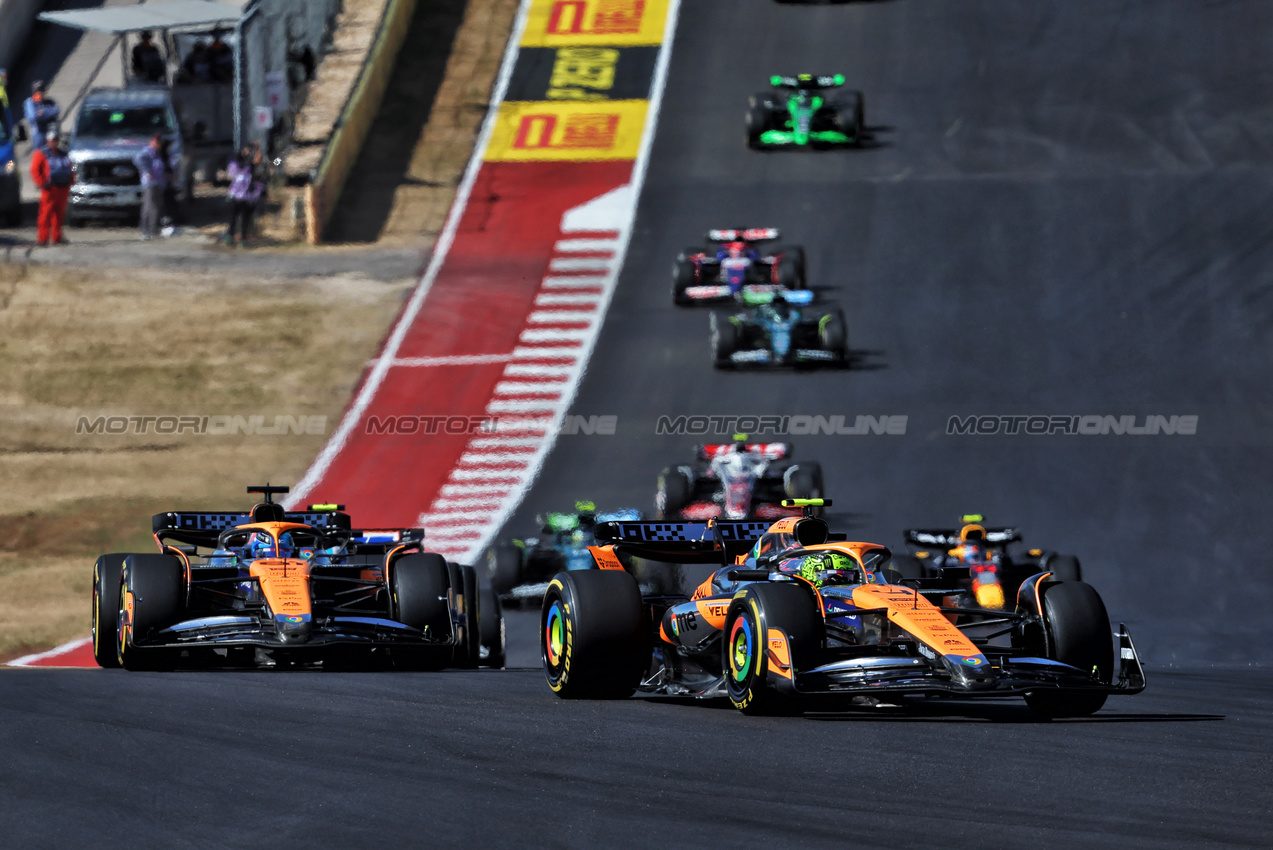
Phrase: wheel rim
[554,635]
[740,649]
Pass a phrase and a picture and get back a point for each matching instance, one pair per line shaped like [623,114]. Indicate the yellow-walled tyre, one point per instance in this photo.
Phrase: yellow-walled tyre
[593,634]
[107,571]
[756,610]
[151,598]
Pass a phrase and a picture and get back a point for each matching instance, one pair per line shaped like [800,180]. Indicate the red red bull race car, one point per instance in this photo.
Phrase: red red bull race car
[278,588]
[796,616]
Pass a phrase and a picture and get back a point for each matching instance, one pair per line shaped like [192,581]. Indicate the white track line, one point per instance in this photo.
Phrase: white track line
[639,169]
[371,386]
[29,660]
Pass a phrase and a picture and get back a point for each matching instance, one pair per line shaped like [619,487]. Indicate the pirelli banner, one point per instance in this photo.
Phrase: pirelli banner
[581,84]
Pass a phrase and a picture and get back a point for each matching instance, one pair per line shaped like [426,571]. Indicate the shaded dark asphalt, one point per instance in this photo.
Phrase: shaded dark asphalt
[1065,213]
[493,759]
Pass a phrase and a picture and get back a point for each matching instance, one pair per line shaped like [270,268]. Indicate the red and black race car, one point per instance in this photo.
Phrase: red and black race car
[272,587]
[738,480]
[734,262]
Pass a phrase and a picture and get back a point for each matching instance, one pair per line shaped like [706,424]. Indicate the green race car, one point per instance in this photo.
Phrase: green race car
[799,113]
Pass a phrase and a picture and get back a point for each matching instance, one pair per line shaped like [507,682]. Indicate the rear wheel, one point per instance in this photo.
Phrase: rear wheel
[850,113]
[107,572]
[472,629]
[593,634]
[151,597]
[492,626]
[673,493]
[1076,627]
[805,482]
[724,339]
[788,272]
[796,255]
[504,566]
[757,120]
[753,617]
[1065,568]
[419,585]
[684,275]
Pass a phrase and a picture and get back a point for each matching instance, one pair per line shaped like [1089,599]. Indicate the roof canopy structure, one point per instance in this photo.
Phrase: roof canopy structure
[158,15]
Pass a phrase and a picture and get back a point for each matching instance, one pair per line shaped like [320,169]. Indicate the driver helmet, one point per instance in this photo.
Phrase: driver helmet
[736,249]
[826,568]
[973,551]
[261,546]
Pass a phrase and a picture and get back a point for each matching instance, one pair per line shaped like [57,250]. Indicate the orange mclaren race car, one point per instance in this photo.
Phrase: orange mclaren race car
[279,588]
[801,613]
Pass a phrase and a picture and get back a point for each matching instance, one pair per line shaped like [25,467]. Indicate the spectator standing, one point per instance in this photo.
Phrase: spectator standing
[221,58]
[148,62]
[198,65]
[41,113]
[154,171]
[52,172]
[245,192]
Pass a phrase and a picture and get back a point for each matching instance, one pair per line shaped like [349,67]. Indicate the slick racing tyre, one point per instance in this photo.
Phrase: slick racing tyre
[107,572]
[504,567]
[1064,568]
[151,597]
[804,481]
[758,111]
[492,628]
[724,338]
[850,115]
[472,628]
[418,585]
[1077,631]
[673,493]
[795,256]
[749,664]
[833,335]
[684,275]
[592,634]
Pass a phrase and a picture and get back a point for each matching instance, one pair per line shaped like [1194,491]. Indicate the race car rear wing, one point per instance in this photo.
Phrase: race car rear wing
[682,542]
[202,528]
[938,537]
[807,81]
[740,234]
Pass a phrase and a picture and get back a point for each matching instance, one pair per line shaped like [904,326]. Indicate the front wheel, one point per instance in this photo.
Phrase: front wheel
[593,634]
[772,631]
[1077,631]
[418,590]
[724,339]
[673,493]
[151,597]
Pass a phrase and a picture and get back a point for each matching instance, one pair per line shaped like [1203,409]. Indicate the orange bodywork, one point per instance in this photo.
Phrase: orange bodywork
[284,583]
[779,654]
[713,611]
[917,616]
[605,557]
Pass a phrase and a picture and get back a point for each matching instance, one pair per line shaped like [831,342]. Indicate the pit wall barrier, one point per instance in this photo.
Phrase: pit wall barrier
[322,194]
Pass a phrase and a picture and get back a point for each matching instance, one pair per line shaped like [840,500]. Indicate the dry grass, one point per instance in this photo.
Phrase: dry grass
[128,342]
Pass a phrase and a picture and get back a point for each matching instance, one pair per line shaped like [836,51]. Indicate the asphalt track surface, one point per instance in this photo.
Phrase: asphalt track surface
[1065,213]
